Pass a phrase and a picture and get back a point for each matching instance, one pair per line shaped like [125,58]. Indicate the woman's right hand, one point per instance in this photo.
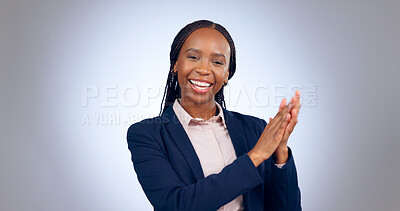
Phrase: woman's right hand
[271,136]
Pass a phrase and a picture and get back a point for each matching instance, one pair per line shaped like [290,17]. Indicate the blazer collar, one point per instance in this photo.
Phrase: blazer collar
[182,140]
[238,137]
[236,132]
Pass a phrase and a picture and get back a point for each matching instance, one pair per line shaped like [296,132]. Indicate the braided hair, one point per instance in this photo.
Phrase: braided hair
[172,88]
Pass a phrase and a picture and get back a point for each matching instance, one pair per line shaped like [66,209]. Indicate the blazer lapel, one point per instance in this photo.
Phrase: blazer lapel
[182,140]
[237,134]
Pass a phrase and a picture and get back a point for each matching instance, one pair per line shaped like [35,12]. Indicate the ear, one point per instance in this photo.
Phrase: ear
[226,78]
[174,69]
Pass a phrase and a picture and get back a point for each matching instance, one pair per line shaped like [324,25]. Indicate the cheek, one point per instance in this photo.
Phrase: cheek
[185,68]
[182,72]
[219,80]
[221,75]
[181,79]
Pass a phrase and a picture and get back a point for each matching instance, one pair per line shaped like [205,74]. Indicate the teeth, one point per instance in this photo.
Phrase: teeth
[198,83]
[199,87]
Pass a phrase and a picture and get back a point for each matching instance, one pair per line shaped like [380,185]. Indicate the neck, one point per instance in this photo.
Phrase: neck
[204,111]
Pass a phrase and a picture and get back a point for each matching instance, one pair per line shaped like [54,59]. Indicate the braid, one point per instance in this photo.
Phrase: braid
[172,88]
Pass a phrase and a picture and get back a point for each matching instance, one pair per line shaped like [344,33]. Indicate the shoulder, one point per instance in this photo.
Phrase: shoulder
[145,127]
[248,118]
[249,121]
[153,127]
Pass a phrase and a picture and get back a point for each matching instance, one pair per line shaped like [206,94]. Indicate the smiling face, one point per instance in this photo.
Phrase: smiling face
[202,66]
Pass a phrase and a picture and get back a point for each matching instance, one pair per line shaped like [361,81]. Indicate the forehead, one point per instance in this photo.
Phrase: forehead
[207,39]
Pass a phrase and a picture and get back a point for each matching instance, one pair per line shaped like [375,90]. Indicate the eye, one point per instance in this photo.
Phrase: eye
[218,62]
[193,57]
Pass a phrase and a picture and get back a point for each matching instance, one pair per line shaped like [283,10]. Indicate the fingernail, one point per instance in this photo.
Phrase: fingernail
[287,116]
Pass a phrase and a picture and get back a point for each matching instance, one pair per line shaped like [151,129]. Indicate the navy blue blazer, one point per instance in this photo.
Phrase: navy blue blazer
[171,176]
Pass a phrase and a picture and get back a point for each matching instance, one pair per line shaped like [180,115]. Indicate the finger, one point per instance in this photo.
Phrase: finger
[297,100]
[280,117]
[289,118]
[289,128]
[283,103]
[292,101]
[292,122]
[294,112]
[280,131]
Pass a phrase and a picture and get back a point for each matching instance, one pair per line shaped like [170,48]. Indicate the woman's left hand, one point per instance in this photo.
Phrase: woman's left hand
[281,153]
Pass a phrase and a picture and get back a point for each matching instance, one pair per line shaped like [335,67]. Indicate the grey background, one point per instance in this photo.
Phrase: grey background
[54,53]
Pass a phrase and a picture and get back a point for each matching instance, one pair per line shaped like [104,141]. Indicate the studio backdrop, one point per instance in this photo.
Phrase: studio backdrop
[76,74]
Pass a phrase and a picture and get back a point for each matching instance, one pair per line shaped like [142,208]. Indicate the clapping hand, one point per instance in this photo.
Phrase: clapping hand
[275,136]
[281,153]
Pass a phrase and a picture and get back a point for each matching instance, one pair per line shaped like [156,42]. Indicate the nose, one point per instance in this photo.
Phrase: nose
[203,68]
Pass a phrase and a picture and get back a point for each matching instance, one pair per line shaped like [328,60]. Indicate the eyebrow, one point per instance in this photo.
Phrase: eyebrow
[199,51]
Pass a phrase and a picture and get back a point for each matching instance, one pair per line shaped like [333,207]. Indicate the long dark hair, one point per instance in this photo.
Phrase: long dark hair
[172,88]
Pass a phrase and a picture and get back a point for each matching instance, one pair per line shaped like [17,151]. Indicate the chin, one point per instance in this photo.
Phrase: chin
[199,98]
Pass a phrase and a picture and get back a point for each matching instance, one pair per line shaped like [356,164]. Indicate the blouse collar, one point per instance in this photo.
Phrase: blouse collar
[185,118]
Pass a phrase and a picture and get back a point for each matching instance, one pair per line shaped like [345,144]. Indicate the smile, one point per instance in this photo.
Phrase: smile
[200,87]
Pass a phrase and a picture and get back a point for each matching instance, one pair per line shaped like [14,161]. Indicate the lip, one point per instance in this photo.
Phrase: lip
[200,91]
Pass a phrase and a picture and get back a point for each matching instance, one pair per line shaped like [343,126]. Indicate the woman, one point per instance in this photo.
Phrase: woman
[199,156]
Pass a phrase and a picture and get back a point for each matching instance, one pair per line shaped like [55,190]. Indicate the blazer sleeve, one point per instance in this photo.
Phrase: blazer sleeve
[281,190]
[166,191]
